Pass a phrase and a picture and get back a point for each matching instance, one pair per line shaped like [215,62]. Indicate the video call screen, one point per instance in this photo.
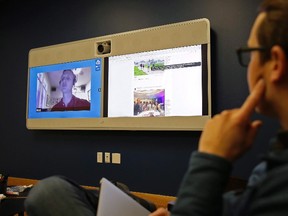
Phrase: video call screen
[45,91]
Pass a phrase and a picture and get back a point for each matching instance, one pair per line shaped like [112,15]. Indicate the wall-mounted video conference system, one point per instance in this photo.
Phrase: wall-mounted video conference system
[150,79]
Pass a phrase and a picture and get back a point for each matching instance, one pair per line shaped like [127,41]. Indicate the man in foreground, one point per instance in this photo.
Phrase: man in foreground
[231,133]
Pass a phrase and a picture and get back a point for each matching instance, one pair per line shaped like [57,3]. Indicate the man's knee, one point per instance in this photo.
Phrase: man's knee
[46,189]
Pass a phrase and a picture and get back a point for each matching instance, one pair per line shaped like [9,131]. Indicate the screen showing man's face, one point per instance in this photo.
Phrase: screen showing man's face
[67,82]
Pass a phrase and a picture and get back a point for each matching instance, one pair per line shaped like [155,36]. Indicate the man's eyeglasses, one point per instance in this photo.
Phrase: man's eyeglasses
[244,54]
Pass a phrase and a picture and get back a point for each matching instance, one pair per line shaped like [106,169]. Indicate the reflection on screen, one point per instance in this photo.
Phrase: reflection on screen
[156,83]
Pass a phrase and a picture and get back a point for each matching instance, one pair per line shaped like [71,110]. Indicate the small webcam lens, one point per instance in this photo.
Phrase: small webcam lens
[100,48]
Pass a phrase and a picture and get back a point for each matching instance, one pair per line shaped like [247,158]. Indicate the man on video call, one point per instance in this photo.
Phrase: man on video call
[225,138]
[69,101]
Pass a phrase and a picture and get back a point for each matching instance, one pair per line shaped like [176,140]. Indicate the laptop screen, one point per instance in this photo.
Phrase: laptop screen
[114,202]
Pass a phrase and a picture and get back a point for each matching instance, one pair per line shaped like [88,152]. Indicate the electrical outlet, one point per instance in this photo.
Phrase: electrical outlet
[116,158]
[107,157]
[99,157]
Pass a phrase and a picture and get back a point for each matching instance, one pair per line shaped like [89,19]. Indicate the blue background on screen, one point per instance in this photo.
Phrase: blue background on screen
[96,78]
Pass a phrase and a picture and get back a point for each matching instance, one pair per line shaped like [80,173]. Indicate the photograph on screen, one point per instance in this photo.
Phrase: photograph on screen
[156,83]
[149,67]
[65,90]
[149,103]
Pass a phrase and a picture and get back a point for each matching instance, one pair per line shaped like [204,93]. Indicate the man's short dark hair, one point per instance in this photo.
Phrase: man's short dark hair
[274,28]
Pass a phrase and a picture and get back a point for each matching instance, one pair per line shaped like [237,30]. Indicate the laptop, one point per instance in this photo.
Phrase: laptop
[115,202]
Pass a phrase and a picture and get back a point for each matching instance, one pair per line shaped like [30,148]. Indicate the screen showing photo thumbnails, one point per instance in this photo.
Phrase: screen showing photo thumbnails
[156,83]
[65,90]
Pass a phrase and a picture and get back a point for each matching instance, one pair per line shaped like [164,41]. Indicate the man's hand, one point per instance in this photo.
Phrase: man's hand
[160,212]
[231,133]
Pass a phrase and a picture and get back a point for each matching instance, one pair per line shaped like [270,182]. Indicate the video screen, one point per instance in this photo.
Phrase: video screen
[66,90]
[158,83]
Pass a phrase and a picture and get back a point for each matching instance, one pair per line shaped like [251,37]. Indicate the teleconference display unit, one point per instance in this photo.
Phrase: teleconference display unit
[156,78]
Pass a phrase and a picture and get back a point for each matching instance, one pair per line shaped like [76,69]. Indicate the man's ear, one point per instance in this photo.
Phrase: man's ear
[279,61]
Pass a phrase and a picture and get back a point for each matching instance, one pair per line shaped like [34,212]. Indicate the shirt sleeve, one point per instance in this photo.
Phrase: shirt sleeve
[202,187]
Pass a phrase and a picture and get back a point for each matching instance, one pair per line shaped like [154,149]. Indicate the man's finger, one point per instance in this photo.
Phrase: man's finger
[252,100]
